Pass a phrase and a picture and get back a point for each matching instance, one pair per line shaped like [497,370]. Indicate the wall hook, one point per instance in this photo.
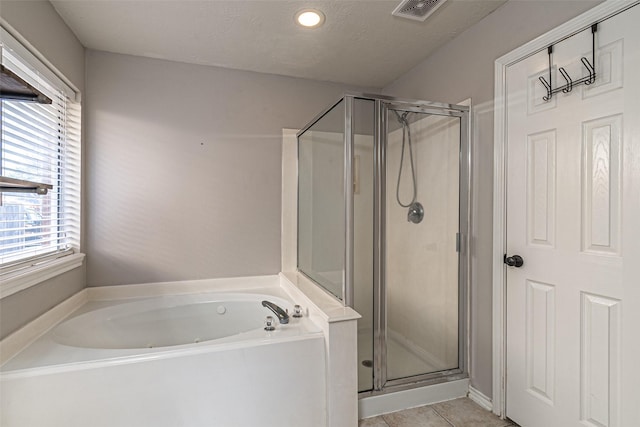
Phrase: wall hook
[570,83]
[590,69]
[569,86]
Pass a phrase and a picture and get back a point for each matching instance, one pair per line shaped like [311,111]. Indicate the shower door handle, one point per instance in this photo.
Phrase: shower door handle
[513,261]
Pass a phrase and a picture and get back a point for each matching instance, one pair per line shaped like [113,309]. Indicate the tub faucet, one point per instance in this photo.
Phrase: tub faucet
[282,315]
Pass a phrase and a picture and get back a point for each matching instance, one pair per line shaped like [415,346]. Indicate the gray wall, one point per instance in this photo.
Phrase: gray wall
[22,307]
[463,69]
[184,167]
[40,24]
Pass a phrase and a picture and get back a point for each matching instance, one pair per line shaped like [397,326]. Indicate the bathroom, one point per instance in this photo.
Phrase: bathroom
[182,162]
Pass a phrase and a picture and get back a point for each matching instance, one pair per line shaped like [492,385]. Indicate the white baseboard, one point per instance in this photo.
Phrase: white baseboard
[480,399]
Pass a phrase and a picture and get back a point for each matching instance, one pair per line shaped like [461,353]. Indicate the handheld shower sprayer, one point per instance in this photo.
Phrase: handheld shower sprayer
[416,211]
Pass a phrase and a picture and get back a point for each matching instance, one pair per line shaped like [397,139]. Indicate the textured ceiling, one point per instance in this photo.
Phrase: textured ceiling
[361,43]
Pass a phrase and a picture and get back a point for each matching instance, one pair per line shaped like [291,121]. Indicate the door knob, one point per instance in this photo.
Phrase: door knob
[514,261]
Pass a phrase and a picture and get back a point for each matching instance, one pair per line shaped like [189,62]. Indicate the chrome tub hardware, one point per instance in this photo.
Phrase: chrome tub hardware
[269,324]
[283,316]
[416,213]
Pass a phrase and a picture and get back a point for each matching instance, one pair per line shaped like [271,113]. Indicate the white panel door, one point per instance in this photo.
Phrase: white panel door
[573,214]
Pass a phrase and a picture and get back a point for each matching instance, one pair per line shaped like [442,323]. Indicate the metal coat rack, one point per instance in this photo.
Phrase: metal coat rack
[568,87]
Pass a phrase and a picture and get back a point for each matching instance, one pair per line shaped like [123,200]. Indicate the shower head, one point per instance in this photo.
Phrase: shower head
[402,118]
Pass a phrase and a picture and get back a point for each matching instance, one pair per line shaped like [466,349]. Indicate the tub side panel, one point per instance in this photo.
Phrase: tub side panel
[280,384]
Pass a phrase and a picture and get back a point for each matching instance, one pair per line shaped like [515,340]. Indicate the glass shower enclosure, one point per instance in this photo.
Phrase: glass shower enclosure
[383,225]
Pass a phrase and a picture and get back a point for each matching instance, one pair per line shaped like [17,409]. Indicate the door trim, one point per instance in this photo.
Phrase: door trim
[574,26]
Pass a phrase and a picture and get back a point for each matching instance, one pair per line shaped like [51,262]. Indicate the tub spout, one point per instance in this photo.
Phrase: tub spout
[282,315]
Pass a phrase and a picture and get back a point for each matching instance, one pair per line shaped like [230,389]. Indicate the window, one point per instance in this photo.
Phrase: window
[40,143]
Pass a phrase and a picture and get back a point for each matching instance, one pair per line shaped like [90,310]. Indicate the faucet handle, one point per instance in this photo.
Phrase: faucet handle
[269,324]
[297,311]
[282,315]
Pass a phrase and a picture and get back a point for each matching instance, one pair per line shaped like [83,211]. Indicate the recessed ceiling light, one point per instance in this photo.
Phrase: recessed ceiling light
[310,18]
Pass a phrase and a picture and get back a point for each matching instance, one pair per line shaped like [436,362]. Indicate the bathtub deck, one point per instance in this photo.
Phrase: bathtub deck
[46,355]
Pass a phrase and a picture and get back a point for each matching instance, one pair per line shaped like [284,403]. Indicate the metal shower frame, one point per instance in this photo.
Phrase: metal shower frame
[382,104]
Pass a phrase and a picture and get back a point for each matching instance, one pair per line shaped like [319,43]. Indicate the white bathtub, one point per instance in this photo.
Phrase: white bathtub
[170,321]
[180,360]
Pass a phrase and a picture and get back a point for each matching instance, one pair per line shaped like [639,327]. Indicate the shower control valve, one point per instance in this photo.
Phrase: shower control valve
[416,213]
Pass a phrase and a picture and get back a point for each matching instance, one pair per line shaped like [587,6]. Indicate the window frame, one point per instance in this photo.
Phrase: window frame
[29,271]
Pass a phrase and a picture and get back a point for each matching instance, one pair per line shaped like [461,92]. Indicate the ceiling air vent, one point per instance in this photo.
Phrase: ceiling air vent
[418,10]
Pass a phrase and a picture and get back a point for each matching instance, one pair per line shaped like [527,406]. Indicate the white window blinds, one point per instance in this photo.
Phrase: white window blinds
[40,143]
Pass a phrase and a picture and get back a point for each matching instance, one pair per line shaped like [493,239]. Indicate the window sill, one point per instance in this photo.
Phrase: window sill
[22,279]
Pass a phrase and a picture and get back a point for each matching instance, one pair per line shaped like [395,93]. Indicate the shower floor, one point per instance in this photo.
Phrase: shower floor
[402,360]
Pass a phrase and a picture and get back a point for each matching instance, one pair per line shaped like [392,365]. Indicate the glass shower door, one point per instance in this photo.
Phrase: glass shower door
[422,211]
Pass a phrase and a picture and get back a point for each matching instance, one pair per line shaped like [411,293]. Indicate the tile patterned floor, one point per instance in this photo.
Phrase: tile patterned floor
[453,413]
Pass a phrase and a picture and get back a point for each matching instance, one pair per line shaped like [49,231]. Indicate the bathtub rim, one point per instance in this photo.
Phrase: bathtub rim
[130,307]
[320,308]
[17,341]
